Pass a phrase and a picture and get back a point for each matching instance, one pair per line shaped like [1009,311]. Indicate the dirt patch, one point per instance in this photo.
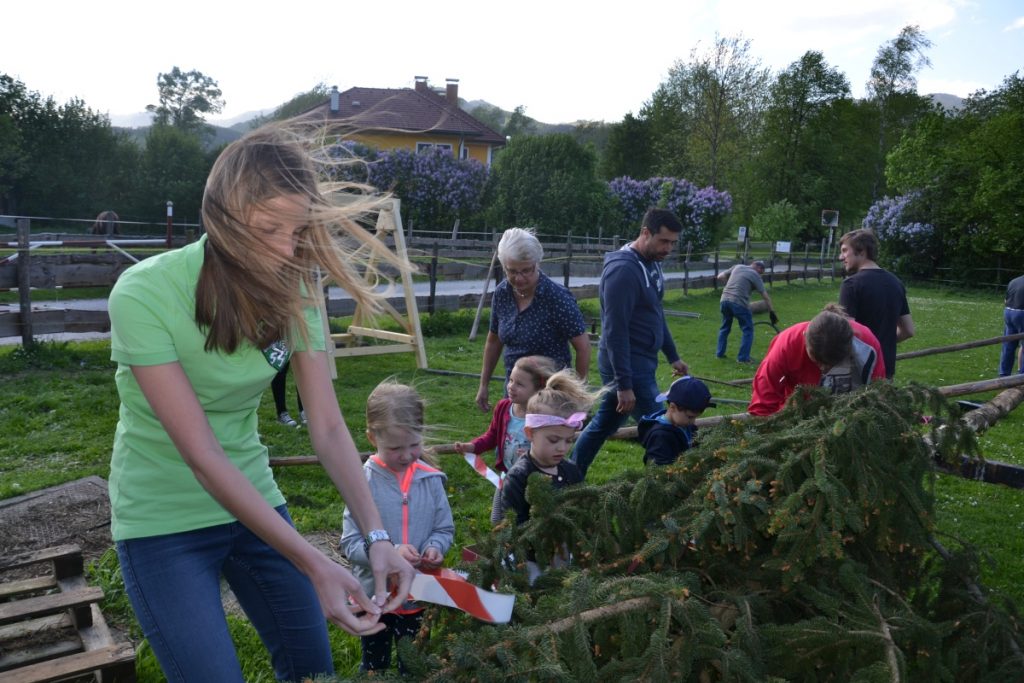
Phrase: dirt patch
[77,512]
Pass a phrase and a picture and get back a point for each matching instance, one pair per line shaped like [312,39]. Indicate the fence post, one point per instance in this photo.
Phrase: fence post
[433,280]
[714,280]
[821,261]
[771,264]
[807,250]
[789,266]
[567,265]
[686,269]
[24,284]
[170,223]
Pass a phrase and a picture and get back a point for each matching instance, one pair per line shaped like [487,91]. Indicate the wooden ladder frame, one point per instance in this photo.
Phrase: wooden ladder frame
[346,344]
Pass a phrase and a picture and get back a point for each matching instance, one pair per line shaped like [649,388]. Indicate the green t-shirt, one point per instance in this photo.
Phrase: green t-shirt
[152,316]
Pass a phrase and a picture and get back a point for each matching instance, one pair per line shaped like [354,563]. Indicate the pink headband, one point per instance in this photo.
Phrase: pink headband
[536,420]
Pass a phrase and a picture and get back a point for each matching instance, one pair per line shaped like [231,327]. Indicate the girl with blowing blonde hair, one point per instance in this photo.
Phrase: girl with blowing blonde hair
[198,333]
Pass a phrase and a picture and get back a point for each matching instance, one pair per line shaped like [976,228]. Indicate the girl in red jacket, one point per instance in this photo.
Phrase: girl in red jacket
[506,434]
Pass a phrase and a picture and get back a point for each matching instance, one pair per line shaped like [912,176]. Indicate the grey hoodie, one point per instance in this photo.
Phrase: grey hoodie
[429,515]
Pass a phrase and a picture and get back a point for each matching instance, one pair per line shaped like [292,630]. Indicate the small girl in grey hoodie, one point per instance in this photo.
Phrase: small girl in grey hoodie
[413,504]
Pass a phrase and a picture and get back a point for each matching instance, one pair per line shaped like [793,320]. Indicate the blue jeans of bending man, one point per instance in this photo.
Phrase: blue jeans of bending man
[173,583]
[1013,323]
[607,419]
[730,310]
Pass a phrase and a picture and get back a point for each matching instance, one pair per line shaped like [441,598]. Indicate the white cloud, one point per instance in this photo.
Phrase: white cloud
[1018,24]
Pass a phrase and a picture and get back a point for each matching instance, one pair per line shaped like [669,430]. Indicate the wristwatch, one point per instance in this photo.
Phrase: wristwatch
[374,536]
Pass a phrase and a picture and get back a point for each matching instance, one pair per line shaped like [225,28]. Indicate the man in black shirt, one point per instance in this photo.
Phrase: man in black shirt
[873,296]
[1013,318]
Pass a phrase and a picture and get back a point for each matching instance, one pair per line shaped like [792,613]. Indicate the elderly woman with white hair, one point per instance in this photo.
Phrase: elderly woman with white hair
[530,314]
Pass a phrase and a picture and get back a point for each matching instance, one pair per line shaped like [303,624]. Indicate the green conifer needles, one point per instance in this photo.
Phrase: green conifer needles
[797,547]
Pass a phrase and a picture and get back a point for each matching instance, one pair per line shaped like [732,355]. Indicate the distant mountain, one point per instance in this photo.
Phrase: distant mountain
[221,136]
[140,119]
[952,103]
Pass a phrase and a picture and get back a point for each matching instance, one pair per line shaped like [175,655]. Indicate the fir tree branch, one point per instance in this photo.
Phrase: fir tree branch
[891,650]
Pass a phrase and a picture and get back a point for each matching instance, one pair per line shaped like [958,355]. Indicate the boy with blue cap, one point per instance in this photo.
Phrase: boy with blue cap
[669,432]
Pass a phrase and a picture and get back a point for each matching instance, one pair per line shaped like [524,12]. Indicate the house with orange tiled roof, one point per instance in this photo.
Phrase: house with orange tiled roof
[415,118]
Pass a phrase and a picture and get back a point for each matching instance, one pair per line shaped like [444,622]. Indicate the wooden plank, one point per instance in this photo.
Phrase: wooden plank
[74,665]
[31,557]
[381,334]
[374,350]
[48,604]
[21,629]
[11,589]
[14,659]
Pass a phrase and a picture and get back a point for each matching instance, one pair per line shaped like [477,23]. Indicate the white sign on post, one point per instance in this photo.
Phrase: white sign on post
[741,233]
[782,247]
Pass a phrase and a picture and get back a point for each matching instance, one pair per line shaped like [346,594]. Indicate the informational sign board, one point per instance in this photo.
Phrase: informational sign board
[782,247]
[741,234]
[830,218]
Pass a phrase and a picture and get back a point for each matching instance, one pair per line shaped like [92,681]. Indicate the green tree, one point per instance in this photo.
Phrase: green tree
[519,123]
[777,221]
[174,167]
[893,88]
[796,159]
[185,98]
[302,102]
[61,160]
[489,115]
[968,170]
[718,98]
[547,181]
[629,150]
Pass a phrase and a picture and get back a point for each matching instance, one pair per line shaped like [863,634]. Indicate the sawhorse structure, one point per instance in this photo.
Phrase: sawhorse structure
[410,340]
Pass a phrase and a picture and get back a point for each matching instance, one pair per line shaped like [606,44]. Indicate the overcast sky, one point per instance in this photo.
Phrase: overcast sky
[563,60]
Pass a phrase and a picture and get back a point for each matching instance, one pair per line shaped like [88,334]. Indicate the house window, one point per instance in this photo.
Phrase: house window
[424,146]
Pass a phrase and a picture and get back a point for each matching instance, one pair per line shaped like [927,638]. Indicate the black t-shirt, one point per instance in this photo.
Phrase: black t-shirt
[876,298]
[513,492]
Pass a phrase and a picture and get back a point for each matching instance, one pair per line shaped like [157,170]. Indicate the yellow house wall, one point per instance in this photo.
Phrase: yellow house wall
[408,141]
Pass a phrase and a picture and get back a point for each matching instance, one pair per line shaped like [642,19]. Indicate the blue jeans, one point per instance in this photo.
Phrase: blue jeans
[1013,320]
[730,310]
[173,583]
[607,420]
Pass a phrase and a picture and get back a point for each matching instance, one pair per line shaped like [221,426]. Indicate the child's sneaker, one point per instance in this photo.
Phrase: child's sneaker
[302,417]
[286,419]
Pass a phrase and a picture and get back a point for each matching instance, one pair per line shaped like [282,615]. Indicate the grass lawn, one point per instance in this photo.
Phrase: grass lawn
[59,408]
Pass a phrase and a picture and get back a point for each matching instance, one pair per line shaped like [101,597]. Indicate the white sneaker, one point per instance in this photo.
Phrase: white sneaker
[302,417]
[286,419]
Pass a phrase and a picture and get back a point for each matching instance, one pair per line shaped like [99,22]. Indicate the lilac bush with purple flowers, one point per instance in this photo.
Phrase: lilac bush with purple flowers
[436,189]
[700,209]
[904,239]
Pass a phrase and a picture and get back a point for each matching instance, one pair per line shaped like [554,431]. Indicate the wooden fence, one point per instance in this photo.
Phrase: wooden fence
[54,262]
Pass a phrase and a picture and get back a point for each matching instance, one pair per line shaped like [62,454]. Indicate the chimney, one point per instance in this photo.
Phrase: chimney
[335,97]
[421,84]
[452,91]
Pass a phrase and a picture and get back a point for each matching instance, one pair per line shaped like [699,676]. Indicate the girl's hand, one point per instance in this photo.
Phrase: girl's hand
[389,567]
[409,553]
[463,447]
[334,585]
[431,558]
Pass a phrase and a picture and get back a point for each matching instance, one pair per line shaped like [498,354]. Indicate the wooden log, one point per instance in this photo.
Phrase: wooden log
[982,386]
[958,347]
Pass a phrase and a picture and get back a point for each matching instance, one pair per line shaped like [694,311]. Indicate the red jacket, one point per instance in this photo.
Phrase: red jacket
[494,437]
[787,365]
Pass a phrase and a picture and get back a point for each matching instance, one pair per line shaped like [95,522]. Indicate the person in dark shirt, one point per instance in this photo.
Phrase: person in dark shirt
[873,296]
[667,433]
[1013,320]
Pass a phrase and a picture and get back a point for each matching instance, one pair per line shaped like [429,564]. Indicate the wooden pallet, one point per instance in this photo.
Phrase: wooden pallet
[58,603]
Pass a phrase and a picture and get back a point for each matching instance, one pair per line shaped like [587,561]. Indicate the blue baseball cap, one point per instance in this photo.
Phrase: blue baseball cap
[688,392]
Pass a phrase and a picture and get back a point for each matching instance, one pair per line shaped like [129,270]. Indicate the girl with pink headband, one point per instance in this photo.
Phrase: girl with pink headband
[554,417]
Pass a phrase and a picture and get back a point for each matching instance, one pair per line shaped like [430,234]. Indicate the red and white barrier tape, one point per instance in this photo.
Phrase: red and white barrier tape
[448,588]
[478,464]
